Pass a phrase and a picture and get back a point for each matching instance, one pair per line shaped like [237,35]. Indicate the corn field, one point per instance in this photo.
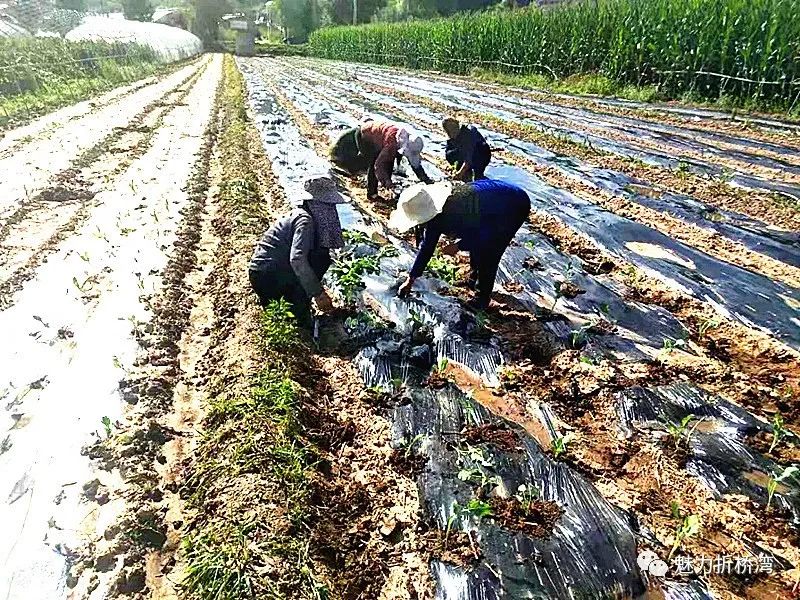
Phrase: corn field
[747,50]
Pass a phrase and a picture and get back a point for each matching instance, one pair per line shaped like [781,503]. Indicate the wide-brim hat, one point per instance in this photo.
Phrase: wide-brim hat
[419,204]
[322,188]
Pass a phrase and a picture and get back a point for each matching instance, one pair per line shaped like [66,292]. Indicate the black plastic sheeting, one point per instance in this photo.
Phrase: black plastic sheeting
[593,548]
[463,98]
[719,454]
[756,235]
[748,297]
[640,328]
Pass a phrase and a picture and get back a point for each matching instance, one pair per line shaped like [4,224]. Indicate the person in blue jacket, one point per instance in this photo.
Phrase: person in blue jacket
[466,149]
[484,216]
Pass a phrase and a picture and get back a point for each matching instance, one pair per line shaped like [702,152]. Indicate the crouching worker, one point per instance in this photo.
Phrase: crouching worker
[294,254]
[483,216]
[466,149]
[374,147]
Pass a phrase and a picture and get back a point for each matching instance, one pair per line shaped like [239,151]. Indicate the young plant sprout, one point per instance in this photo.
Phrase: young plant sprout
[470,412]
[559,444]
[706,326]
[479,478]
[441,365]
[681,432]
[526,496]
[774,480]
[687,527]
[107,426]
[474,508]
[778,431]
[408,445]
[558,295]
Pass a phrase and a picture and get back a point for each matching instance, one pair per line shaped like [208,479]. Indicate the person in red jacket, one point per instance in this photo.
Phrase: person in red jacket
[374,147]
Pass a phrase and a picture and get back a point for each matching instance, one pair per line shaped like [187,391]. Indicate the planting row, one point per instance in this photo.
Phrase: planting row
[531,522]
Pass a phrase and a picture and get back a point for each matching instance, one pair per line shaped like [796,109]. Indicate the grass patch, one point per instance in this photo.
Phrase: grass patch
[250,482]
[38,75]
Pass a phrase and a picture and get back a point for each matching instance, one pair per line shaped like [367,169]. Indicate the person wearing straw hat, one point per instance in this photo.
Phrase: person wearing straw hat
[466,149]
[483,216]
[293,255]
[374,147]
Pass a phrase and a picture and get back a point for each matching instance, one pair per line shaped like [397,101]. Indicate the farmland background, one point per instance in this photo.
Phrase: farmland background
[747,51]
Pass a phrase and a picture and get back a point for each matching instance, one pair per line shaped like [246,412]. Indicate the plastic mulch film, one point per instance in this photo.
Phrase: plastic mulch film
[587,548]
[718,435]
[751,298]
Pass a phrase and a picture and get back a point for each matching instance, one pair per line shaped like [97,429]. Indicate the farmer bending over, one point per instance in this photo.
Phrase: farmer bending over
[466,149]
[293,255]
[373,147]
[483,216]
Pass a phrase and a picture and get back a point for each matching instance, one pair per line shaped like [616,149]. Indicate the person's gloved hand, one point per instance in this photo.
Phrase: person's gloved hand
[324,302]
[405,287]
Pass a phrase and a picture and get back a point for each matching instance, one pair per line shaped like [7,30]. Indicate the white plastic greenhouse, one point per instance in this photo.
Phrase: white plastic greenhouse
[170,43]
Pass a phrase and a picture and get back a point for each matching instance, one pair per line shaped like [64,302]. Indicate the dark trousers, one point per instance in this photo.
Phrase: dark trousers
[482,158]
[275,284]
[485,260]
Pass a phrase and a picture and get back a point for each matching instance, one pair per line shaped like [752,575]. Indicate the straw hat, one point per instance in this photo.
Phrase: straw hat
[418,204]
[322,188]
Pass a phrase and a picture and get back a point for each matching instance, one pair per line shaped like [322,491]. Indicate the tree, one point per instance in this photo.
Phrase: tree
[79,5]
[342,10]
[299,17]
[137,10]
[207,15]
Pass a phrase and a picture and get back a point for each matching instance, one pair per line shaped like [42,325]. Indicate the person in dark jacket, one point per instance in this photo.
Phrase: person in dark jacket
[294,253]
[466,149]
[374,147]
[483,216]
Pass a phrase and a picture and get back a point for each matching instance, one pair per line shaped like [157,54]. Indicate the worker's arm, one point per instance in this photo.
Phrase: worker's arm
[302,243]
[421,174]
[462,173]
[426,249]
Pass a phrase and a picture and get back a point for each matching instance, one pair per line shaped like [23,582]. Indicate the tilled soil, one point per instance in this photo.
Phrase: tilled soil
[224,464]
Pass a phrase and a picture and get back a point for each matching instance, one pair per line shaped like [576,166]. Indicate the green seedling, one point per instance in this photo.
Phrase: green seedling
[681,432]
[778,431]
[558,295]
[443,269]
[84,256]
[415,318]
[587,360]
[688,526]
[470,411]
[527,496]
[355,237]
[407,446]
[82,287]
[579,337]
[107,426]
[132,185]
[279,326]
[774,480]
[479,478]
[530,244]
[441,365]
[476,455]
[605,308]
[683,169]
[707,326]
[559,444]
[481,320]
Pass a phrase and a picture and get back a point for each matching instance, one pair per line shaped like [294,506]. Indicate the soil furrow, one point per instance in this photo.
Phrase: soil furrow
[703,239]
[770,363]
[759,205]
[39,225]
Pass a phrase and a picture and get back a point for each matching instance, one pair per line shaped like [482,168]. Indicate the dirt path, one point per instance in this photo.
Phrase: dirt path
[72,336]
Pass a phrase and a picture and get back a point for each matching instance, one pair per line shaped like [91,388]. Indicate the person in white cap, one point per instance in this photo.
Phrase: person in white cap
[483,216]
[374,147]
[294,253]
